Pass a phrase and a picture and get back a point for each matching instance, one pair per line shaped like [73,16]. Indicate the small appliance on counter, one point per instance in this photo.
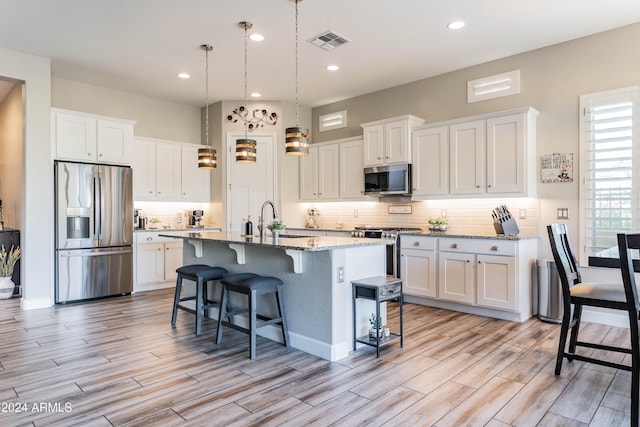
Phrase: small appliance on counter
[312,213]
[137,215]
[504,222]
[195,219]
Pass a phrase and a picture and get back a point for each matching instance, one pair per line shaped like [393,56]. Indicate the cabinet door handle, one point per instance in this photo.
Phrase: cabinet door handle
[495,248]
[416,243]
[454,246]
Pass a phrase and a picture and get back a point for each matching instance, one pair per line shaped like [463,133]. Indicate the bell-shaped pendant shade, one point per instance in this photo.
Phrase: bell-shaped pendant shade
[246,150]
[296,141]
[207,158]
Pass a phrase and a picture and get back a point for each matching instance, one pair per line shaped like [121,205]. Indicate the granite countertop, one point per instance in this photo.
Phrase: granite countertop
[303,243]
[172,230]
[472,236]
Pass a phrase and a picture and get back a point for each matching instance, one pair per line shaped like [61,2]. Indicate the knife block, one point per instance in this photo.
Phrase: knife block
[509,227]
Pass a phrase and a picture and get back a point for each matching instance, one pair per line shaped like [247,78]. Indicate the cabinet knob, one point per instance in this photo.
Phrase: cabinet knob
[99,155]
[184,194]
[159,249]
[150,192]
[468,261]
[489,185]
[416,243]
[477,186]
[379,158]
[495,248]
[149,238]
[88,154]
[454,246]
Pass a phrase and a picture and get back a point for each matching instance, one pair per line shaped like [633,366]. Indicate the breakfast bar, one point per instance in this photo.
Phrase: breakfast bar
[317,272]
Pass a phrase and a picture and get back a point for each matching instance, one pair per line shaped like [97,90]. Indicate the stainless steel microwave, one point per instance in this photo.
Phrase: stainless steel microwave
[387,180]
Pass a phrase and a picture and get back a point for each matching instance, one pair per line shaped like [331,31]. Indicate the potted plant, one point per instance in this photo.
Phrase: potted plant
[438,224]
[276,227]
[376,327]
[7,263]
[154,223]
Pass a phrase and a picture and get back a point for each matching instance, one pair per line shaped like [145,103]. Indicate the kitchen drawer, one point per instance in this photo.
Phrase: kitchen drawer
[426,243]
[143,237]
[478,246]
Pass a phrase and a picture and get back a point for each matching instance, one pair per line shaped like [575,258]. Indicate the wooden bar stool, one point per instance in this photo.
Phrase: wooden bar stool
[200,274]
[251,285]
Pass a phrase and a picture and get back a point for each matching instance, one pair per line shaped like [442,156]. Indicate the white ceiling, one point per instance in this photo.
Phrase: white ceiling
[139,46]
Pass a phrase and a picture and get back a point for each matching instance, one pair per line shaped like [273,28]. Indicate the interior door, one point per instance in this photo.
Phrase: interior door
[250,184]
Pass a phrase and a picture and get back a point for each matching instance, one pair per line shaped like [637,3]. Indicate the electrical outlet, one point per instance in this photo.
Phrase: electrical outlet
[355,213]
[340,274]
[523,214]
[563,213]
[443,213]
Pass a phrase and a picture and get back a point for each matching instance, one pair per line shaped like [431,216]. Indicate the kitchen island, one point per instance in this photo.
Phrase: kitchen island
[317,272]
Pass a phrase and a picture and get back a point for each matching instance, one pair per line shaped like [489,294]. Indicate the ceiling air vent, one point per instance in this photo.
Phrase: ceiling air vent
[328,40]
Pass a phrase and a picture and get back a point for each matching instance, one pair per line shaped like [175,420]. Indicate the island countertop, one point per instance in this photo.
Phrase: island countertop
[301,243]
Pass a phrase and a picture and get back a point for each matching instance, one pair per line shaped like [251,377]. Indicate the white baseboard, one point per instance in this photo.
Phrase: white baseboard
[35,303]
[608,317]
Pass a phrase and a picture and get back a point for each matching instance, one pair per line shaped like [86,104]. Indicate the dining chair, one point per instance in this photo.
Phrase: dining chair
[576,294]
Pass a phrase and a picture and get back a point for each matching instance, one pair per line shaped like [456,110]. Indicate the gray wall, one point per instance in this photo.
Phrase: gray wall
[155,118]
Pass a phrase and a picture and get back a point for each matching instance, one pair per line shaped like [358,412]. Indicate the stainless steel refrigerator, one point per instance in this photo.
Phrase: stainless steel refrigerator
[94,231]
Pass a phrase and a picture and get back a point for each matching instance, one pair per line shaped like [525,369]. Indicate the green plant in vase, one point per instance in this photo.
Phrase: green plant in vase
[438,223]
[276,227]
[376,326]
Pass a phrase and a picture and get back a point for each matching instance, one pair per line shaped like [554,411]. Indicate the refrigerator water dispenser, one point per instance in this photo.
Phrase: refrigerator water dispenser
[78,227]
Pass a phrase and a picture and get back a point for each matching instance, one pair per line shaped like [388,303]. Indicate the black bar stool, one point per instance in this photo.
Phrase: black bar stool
[200,274]
[251,285]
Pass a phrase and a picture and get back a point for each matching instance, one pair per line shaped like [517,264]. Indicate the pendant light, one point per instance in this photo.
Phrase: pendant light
[245,147]
[207,158]
[296,141]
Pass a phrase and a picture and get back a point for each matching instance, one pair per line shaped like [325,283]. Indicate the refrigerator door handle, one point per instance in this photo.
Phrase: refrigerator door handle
[70,254]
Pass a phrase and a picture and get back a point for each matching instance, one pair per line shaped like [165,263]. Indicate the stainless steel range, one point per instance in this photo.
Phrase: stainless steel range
[392,235]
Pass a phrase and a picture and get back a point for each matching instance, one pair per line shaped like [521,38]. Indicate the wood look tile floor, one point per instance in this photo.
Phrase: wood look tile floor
[118,362]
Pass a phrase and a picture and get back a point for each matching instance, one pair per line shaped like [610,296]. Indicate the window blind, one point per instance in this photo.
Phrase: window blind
[610,186]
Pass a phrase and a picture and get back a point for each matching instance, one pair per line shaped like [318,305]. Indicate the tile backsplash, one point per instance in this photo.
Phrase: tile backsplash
[174,215]
[467,216]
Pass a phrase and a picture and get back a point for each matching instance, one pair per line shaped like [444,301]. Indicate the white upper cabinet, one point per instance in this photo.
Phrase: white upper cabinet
[388,141]
[467,158]
[430,152]
[90,138]
[488,155]
[196,182]
[319,173]
[333,171]
[168,171]
[351,170]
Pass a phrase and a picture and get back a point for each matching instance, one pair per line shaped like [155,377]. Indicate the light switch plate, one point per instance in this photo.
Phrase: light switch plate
[563,213]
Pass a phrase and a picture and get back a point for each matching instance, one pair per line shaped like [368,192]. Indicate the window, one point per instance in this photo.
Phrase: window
[610,148]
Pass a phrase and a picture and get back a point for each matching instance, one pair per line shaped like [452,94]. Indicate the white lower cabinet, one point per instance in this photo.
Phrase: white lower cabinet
[484,276]
[156,261]
[418,266]
[456,279]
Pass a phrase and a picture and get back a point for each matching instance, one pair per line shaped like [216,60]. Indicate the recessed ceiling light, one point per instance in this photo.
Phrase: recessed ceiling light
[256,94]
[256,37]
[333,67]
[455,25]
[184,75]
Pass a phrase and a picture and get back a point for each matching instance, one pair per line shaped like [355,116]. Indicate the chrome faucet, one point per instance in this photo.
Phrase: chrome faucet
[261,219]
